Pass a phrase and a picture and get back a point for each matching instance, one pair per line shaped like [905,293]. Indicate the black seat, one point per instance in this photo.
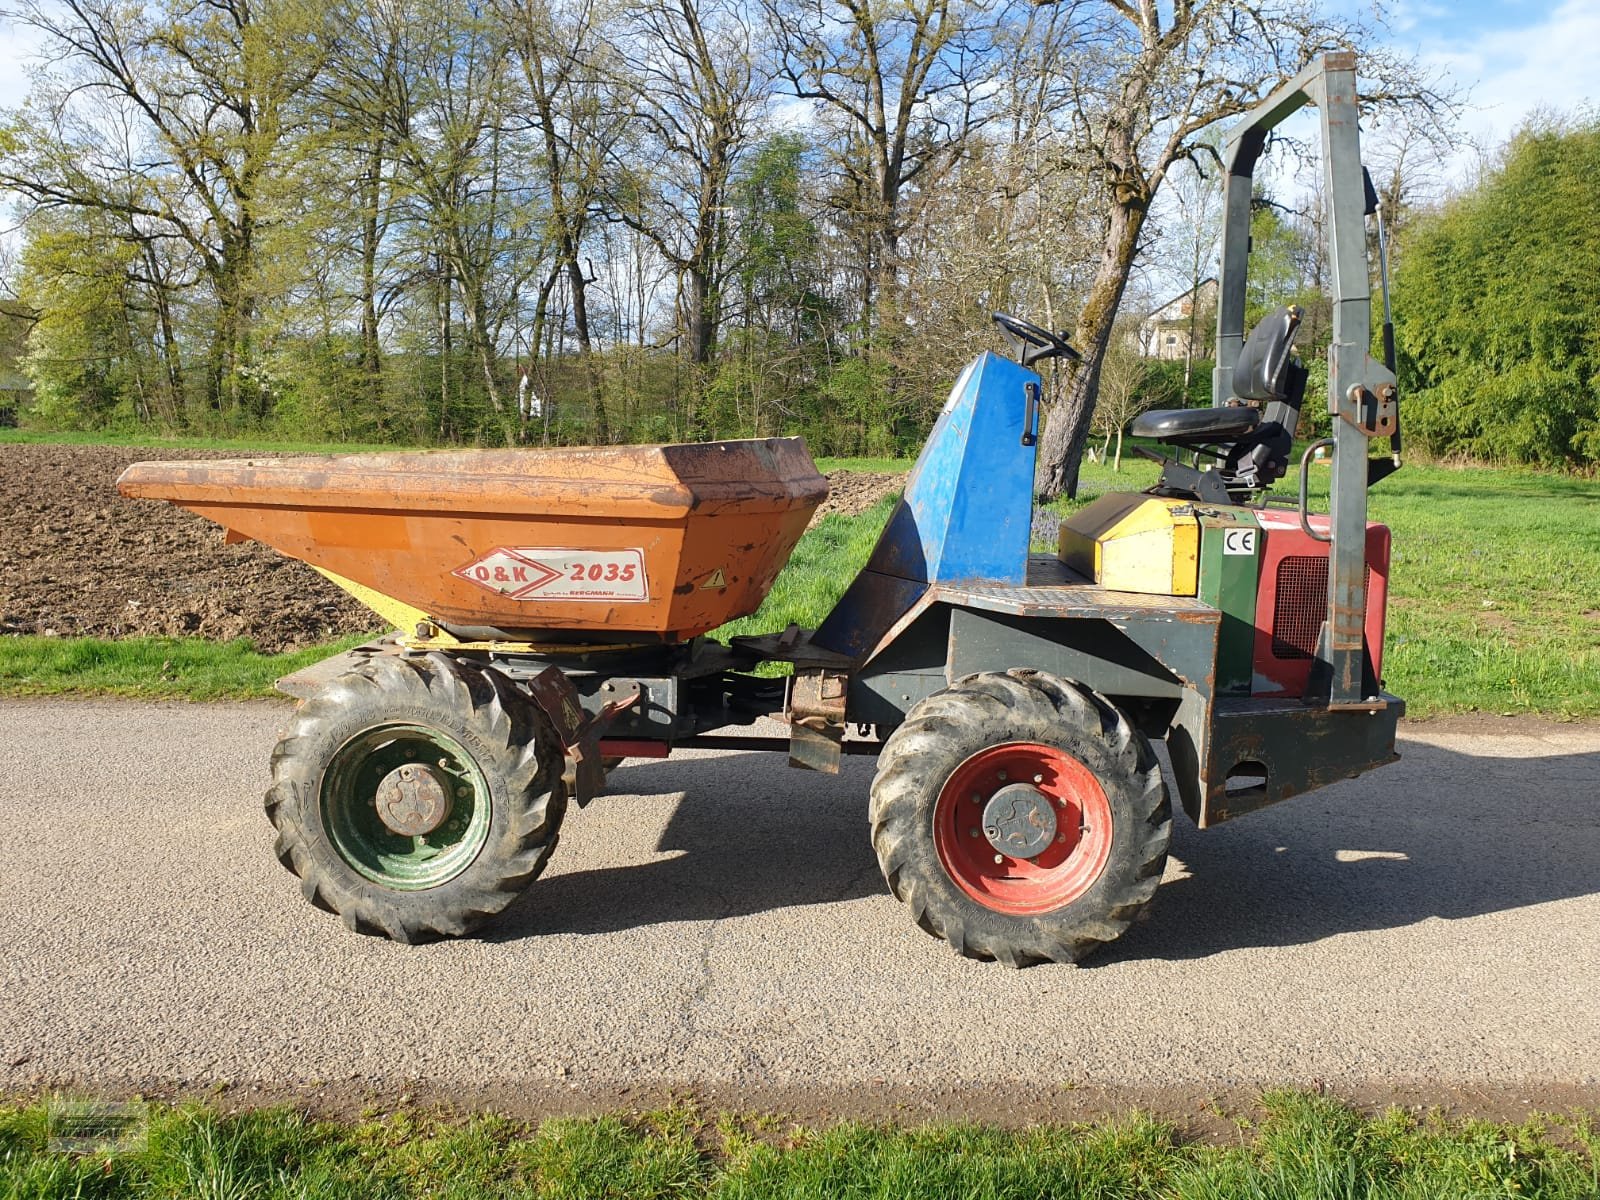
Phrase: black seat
[1253,446]
[1196,424]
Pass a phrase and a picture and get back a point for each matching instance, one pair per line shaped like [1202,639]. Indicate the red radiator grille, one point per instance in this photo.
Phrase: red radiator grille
[1292,600]
[1300,604]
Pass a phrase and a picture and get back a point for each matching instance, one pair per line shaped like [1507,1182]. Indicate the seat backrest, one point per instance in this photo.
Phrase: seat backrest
[1262,372]
[1267,371]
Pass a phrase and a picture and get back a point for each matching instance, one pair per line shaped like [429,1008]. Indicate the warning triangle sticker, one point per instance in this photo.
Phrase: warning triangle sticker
[717,579]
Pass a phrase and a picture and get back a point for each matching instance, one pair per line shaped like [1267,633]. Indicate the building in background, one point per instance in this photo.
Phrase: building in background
[1165,333]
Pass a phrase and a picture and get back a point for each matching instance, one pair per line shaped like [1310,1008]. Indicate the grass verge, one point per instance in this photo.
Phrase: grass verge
[1297,1146]
[1494,597]
[149,668]
[242,444]
[821,567]
[279,446]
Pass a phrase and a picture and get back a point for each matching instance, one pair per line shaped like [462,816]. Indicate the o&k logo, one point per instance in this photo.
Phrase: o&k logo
[557,573]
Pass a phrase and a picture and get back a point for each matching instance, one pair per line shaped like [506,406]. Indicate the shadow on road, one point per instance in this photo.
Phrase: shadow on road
[1440,834]
[753,834]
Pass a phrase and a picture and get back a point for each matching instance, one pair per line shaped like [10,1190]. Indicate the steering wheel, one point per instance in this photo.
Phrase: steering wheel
[1036,342]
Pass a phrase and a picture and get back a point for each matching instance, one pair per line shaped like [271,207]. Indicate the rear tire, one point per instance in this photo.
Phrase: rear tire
[476,824]
[1105,837]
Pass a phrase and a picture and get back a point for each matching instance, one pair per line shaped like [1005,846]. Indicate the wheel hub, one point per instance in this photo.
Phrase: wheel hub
[413,800]
[1020,821]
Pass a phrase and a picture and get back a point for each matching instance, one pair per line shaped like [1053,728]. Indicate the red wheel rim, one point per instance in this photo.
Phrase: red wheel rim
[1064,870]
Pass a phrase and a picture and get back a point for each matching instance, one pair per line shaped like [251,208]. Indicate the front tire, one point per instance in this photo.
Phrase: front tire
[416,797]
[1021,817]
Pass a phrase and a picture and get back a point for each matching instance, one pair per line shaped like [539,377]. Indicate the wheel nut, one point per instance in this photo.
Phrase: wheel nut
[1038,778]
[999,858]
[973,833]
[1002,776]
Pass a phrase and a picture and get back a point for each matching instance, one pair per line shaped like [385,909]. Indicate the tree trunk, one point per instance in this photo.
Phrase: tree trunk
[445,351]
[371,359]
[1061,447]
[702,315]
[580,322]
[171,357]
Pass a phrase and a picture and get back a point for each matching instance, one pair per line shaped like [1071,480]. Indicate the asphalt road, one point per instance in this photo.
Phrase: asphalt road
[719,924]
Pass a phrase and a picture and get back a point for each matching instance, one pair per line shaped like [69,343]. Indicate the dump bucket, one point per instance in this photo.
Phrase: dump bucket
[535,545]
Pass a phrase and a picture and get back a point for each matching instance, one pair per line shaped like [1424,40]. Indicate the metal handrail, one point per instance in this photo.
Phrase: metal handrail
[1305,471]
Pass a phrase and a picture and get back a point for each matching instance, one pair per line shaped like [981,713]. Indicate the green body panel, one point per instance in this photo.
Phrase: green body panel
[1230,562]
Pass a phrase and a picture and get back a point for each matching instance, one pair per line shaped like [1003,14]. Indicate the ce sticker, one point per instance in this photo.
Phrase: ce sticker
[1239,541]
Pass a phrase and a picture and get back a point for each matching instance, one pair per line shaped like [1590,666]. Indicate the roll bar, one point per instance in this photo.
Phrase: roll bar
[1362,397]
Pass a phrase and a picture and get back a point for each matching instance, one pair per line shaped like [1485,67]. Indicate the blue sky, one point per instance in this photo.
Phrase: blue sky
[1512,55]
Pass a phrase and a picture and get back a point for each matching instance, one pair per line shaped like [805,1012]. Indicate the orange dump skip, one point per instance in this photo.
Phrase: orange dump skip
[661,540]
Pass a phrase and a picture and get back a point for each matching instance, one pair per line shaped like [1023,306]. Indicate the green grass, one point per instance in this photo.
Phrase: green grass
[1494,585]
[275,445]
[1494,601]
[149,668]
[819,570]
[877,466]
[1495,590]
[1294,1147]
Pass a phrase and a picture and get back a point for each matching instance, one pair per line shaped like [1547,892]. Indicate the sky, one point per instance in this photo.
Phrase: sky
[1510,56]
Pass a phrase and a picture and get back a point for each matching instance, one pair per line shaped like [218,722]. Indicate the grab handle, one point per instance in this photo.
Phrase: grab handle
[1030,414]
[1305,471]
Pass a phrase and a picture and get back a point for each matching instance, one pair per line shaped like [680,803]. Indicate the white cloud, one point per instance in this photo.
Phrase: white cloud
[1409,14]
[1508,73]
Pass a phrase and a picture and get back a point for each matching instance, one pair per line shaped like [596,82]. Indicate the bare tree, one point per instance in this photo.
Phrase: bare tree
[905,82]
[696,91]
[562,49]
[1126,390]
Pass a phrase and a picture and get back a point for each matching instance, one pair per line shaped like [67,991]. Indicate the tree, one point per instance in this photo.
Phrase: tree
[1125,390]
[903,84]
[172,119]
[1495,308]
[1151,80]
[695,91]
[565,58]
[1197,195]
[447,117]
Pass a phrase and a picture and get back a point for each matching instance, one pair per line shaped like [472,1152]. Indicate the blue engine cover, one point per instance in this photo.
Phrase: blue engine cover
[966,514]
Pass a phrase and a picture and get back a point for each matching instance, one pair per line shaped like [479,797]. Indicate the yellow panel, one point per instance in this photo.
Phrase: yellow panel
[1135,543]
[398,613]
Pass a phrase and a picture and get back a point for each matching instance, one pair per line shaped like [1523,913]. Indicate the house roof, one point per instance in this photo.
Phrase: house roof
[1158,313]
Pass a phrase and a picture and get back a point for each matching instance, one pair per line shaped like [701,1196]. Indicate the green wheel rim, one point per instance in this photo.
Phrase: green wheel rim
[348,797]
